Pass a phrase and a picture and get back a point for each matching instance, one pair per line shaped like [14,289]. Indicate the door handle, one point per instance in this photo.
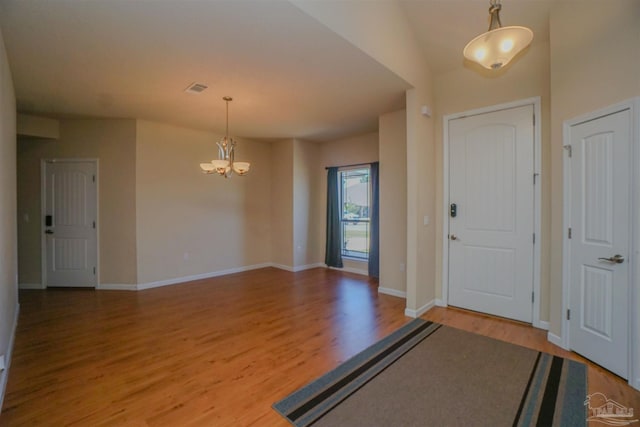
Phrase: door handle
[616,259]
[453,237]
[48,232]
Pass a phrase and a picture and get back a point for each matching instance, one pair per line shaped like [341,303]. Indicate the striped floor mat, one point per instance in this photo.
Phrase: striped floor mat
[427,374]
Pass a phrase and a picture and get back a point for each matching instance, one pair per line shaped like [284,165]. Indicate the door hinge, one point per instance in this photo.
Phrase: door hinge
[534,119]
[94,178]
[569,149]
[568,314]
[94,271]
[533,297]
[534,238]
[569,234]
[535,178]
[94,224]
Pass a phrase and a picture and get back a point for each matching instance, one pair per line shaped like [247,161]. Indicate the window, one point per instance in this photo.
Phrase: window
[355,196]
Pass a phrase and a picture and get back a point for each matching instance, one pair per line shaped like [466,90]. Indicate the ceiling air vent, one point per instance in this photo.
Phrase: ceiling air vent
[196,88]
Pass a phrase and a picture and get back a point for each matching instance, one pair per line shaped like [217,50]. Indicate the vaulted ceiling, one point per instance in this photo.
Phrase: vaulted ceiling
[288,74]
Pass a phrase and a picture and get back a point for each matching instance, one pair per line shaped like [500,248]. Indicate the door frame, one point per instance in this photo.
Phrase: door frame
[633,105]
[43,209]
[537,195]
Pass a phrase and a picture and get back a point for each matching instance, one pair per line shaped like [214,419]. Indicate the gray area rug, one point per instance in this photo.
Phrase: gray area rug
[426,374]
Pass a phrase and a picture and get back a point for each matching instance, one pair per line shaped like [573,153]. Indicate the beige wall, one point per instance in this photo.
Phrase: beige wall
[37,127]
[465,89]
[189,223]
[595,62]
[589,63]
[8,239]
[348,151]
[306,209]
[382,30]
[392,149]
[569,75]
[281,206]
[421,161]
[112,142]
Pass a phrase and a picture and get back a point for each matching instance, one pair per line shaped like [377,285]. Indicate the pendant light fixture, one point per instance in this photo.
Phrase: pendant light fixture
[499,45]
[225,164]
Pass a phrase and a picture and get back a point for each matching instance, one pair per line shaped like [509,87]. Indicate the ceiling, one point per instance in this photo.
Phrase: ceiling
[288,74]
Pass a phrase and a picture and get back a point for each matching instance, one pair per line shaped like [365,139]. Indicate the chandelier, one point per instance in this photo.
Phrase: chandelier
[225,164]
[499,45]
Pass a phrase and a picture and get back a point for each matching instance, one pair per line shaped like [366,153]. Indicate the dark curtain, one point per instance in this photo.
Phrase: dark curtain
[333,255]
[374,236]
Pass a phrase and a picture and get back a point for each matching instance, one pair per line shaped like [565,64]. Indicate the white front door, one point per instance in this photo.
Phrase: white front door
[600,197]
[491,220]
[70,193]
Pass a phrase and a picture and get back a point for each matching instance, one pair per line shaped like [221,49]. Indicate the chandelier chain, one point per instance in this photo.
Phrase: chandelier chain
[494,14]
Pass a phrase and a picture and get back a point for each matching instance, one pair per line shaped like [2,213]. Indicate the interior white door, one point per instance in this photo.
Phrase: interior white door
[600,240]
[70,223]
[491,184]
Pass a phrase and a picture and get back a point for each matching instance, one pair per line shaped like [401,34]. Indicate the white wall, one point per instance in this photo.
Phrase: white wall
[393,202]
[188,223]
[8,237]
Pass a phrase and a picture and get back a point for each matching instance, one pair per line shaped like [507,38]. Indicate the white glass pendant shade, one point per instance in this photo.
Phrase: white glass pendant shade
[494,49]
[241,168]
[220,165]
[207,167]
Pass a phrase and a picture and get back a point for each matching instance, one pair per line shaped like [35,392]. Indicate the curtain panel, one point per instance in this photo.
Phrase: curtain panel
[374,233]
[333,252]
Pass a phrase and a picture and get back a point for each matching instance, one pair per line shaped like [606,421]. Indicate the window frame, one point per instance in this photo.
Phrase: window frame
[350,221]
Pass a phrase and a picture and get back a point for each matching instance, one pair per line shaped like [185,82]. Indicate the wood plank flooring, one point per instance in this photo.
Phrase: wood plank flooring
[215,352]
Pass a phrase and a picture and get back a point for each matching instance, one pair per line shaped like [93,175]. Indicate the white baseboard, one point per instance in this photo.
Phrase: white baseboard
[542,324]
[4,375]
[554,339]
[174,281]
[440,303]
[116,287]
[283,267]
[30,286]
[420,311]
[352,270]
[159,283]
[392,292]
[298,268]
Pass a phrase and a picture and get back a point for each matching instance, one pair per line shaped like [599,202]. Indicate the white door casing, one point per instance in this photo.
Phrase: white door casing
[600,203]
[69,223]
[491,181]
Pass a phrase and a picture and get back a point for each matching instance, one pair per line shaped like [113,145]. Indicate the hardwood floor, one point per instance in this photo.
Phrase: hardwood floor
[215,352]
